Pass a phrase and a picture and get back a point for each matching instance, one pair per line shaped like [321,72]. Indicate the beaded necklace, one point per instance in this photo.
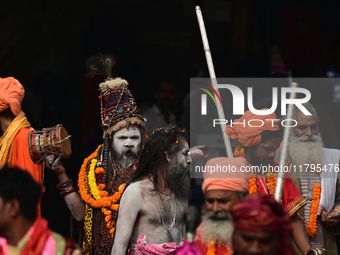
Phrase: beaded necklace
[173,222]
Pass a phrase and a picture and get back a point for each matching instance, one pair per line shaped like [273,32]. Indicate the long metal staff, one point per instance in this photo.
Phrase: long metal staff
[285,140]
[208,57]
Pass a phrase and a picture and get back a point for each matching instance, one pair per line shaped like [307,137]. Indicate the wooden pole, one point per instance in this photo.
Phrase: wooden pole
[283,155]
[208,57]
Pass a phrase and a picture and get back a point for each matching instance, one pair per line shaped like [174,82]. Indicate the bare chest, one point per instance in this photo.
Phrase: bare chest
[162,218]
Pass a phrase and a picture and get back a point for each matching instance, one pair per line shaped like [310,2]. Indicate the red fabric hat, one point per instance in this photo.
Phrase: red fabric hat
[261,212]
[251,136]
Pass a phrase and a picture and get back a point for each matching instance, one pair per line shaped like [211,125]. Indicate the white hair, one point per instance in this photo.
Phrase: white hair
[218,230]
[305,150]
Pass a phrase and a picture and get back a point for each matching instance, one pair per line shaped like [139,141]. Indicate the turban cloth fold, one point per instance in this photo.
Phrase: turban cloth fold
[232,179]
[250,136]
[261,212]
[11,95]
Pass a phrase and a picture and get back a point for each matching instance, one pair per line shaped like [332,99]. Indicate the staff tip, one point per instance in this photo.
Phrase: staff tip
[197,8]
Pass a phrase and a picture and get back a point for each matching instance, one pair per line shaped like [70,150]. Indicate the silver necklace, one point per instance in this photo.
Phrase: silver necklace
[160,214]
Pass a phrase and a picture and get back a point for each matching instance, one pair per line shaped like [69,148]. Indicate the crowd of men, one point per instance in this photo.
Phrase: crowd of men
[132,191]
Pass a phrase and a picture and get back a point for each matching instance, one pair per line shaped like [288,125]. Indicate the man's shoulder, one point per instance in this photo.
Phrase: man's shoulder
[23,133]
[331,154]
[144,183]
[66,245]
[134,192]
[331,150]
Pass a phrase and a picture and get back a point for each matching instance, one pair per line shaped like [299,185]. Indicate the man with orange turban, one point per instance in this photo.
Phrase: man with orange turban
[260,136]
[222,190]
[14,129]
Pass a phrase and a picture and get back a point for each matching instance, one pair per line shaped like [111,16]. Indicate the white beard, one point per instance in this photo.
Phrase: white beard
[221,231]
[305,152]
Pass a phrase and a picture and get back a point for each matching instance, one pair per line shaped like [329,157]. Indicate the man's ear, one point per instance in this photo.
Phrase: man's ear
[167,156]
[14,207]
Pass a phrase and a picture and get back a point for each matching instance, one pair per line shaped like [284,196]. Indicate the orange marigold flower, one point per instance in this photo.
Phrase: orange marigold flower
[114,207]
[101,186]
[107,212]
[108,218]
[99,170]
[103,193]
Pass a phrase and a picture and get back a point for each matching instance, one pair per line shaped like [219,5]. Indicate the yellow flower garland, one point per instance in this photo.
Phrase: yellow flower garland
[92,180]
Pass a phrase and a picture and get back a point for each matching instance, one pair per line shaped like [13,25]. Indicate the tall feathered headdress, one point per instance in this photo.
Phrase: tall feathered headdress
[100,65]
[118,107]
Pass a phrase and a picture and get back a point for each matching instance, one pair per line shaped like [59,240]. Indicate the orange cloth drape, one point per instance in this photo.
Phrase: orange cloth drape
[21,159]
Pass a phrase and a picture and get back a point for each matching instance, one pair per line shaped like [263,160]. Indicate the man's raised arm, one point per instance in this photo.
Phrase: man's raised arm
[72,200]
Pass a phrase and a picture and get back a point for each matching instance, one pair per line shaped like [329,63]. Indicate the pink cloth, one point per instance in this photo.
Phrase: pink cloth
[187,249]
[143,247]
[49,248]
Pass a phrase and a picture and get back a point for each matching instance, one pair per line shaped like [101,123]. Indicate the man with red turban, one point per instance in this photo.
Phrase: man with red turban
[14,129]
[262,226]
[260,136]
[222,190]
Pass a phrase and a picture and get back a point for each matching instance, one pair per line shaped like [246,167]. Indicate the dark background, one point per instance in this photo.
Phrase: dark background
[44,44]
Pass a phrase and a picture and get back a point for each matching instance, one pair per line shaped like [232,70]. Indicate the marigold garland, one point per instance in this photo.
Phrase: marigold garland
[252,184]
[212,248]
[271,181]
[239,152]
[95,195]
[312,227]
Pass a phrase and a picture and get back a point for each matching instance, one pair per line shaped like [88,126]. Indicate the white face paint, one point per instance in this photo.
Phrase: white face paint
[126,142]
